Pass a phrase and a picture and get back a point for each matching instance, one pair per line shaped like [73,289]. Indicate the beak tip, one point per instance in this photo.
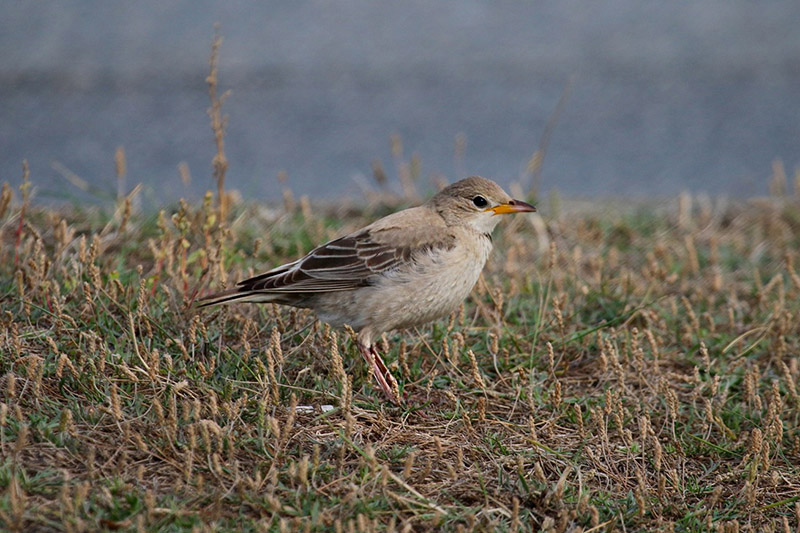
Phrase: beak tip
[523,207]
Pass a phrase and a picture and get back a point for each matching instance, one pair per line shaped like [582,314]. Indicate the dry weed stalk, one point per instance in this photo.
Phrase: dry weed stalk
[218,125]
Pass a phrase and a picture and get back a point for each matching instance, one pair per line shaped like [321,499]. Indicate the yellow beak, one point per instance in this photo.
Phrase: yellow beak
[512,206]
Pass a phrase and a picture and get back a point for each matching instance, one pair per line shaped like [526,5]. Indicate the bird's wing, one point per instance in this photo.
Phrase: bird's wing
[354,260]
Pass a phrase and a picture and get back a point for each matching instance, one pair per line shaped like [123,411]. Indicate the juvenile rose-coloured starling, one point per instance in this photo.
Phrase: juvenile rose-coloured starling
[402,271]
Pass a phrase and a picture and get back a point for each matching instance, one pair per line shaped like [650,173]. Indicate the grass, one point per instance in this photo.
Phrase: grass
[614,369]
[618,367]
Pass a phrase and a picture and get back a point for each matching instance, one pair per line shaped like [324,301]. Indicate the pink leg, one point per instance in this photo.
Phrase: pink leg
[384,378]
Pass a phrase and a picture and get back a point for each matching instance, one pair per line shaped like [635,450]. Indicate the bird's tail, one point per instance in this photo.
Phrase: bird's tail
[236,294]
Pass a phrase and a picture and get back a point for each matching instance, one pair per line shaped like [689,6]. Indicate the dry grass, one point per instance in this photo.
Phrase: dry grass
[618,367]
[615,369]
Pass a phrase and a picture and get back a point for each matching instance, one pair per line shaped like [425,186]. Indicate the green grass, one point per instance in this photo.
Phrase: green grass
[635,369]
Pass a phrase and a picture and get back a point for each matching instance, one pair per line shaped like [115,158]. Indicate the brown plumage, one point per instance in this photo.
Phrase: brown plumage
[401,271]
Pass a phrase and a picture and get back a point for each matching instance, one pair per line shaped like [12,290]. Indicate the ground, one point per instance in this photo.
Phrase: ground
[619,366]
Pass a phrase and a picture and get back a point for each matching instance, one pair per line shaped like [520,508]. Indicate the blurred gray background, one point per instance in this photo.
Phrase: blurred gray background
[667,96]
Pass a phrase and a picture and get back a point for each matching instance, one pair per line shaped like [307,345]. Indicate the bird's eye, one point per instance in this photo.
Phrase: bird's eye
[480,201]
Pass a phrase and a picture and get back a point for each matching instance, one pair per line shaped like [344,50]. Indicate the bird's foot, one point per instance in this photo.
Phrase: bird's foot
[385,379]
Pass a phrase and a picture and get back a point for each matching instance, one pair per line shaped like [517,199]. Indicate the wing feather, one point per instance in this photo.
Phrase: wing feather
[351,261]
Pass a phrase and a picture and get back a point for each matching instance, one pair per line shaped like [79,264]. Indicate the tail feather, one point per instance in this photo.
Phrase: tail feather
[248,290]
[236,294]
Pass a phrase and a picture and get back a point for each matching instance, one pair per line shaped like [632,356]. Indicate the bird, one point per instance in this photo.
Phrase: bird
[402,271]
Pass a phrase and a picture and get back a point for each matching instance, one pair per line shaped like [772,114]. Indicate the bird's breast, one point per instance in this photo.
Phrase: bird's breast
[432,286]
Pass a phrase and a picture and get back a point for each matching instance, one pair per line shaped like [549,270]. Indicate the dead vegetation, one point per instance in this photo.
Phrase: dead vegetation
[619,367]
[615,369]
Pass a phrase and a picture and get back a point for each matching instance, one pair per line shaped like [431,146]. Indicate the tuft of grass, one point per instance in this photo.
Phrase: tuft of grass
[631,368]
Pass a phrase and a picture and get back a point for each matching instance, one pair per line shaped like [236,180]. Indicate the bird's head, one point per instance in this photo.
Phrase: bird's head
[476,202]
